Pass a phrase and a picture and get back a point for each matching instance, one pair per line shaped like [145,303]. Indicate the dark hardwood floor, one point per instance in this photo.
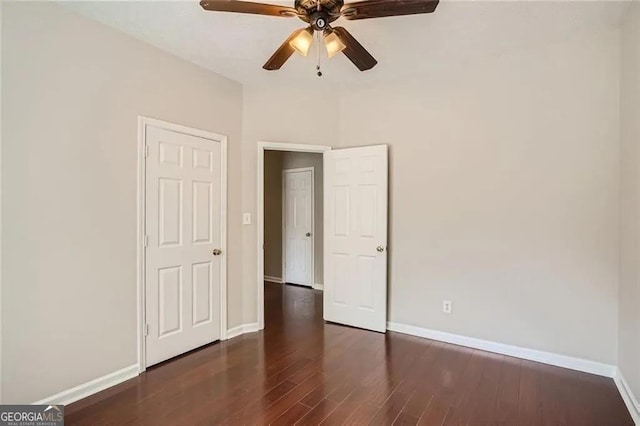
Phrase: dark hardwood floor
[301,370]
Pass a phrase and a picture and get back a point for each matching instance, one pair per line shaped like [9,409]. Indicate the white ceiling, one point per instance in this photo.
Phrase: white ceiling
[237,46]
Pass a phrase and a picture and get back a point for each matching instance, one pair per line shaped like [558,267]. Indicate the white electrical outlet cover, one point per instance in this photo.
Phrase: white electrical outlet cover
[246,219]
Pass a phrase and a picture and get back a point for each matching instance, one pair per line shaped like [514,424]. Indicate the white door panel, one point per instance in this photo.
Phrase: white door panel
[183,226]
[355,261]
[298,226]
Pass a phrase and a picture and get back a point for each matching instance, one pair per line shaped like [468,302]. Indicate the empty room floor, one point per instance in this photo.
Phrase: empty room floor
[301,370]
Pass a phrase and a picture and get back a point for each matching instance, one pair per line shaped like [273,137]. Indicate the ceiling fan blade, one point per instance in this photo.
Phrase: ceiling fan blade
[381,8]
[354,50]
[248,7]
[283,53]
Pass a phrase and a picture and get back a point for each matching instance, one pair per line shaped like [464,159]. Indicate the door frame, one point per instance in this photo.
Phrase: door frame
[143,122]
[262,147]
[313,221]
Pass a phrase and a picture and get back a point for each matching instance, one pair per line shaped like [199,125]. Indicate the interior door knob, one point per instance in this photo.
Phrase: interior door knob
[217,252]
[308,234]
[380,249]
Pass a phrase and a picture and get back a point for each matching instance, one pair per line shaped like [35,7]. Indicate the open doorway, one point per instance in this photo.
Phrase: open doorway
[293,210]
[290,219]
[293,226]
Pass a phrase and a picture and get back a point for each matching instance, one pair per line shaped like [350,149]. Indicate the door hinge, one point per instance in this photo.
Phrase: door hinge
[146,151]
[146,330]
[146,241]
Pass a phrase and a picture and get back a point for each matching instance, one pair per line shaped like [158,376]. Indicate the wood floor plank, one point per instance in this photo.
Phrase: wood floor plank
[405,419]
[508,393]
[417,403]
[391,409]
[292,415]
[347,407]
[320,412]
[422,368]
[305,371]
[553,404]
[264,412]
[482,410]
[435,413]
[363,414]
[530,402]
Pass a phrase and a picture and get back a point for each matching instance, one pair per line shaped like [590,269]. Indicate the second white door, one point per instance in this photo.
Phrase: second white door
[298,226]
[355,237]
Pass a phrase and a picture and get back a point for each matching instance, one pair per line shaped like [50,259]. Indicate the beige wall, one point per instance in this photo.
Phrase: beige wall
[72,92]
[504,196]
[273,214]
[629,344]
[274,163]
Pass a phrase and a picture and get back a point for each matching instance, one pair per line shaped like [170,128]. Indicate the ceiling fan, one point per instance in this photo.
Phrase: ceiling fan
[319,14]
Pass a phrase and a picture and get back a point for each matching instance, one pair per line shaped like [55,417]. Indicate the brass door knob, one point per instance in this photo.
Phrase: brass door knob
[217,252]
[380,249]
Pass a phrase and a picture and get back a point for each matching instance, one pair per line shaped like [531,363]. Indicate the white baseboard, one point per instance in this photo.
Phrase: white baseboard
[318,287]
[558,360]
[628,396]
[273,279]
[242,329]
[94,386]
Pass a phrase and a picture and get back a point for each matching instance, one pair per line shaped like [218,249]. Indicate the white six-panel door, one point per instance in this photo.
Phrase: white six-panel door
[298,226]
[355,230]
[183,226]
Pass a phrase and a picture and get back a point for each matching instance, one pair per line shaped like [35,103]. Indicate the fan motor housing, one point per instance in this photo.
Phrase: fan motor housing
[319,21]
[321,17]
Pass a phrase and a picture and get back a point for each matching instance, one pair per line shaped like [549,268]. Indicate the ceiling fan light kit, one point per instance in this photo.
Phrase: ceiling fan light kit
[333,44]
[319,15]
[302,42]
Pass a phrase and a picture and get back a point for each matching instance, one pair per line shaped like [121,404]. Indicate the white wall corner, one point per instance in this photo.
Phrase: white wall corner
[251,328]
[89,388]
[318,287]
[629,398]
[242,329]
[558,360]
[271,279]
[234,332]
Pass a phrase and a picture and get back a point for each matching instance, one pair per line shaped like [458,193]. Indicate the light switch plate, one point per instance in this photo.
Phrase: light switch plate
[246,219]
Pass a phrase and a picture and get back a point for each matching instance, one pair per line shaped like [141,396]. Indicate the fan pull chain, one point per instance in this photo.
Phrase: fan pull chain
[319,54]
